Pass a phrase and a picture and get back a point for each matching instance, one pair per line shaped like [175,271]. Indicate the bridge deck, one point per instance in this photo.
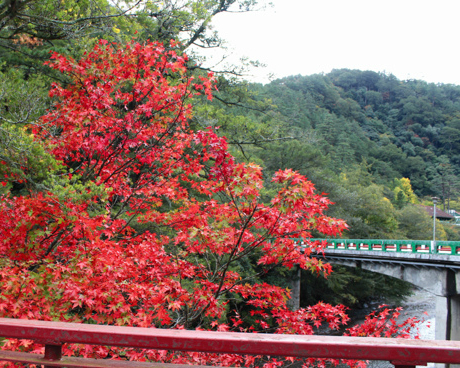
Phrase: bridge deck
[422,260]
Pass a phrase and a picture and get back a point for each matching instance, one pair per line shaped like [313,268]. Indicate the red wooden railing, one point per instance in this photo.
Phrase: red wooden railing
[401,352]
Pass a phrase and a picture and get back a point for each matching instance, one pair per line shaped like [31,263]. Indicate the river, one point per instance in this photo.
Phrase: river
[423,306]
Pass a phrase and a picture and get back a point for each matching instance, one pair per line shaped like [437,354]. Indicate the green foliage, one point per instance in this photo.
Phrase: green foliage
[452,232]
[23,159]
[22,101]
[352,287]
[47,20]
[372,214]
[29,30]
[415,223]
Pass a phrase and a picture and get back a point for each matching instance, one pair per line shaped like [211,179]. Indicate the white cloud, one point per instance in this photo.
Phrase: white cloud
[411,39]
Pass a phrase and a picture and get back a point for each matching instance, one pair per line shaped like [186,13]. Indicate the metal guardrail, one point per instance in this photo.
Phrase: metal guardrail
[402,353]
[391,245]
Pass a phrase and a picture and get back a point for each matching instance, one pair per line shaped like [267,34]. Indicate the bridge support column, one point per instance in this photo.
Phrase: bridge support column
[447,321]
[455,317]
[443,318]
[294,302]
[455,322]
[442,324]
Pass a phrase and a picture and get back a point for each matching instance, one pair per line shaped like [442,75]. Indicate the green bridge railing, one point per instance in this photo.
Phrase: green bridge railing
[390,245]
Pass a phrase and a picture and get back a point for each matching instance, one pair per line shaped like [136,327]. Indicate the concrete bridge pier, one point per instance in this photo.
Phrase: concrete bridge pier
[447,317]
[454,322]
[448,308]
[443,318]
[455,318]
[443,329]
[294,302]
[447,322]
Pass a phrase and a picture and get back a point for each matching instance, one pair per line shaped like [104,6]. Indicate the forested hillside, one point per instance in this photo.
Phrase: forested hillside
[401,129]
[375,144]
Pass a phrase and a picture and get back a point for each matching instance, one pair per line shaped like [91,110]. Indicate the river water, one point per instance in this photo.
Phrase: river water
[423,306]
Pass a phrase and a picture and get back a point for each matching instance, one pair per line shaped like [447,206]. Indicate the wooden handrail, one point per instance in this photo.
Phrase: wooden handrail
[401,352]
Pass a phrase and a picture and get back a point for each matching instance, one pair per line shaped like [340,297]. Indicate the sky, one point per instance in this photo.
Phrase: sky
[407,38]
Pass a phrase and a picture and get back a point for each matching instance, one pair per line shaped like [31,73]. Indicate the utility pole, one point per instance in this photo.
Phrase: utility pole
[433,243]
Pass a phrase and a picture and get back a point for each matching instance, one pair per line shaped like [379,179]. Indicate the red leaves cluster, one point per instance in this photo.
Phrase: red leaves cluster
[154,223]
[383,323]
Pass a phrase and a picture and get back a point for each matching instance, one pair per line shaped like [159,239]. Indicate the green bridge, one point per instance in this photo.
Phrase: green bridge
[430,265]
[391,245]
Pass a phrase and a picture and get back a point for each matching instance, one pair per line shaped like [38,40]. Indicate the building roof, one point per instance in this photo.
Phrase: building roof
[440,214]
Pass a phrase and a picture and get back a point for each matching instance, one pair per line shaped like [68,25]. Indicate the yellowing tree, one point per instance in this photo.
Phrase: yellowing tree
[403,192]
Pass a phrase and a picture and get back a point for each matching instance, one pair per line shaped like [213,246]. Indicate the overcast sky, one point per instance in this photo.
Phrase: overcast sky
[410,39]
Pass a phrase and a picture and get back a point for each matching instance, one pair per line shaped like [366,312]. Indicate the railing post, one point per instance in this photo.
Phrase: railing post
[52,353]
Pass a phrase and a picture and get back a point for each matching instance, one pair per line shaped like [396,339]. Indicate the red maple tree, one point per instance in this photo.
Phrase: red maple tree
[145,222]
